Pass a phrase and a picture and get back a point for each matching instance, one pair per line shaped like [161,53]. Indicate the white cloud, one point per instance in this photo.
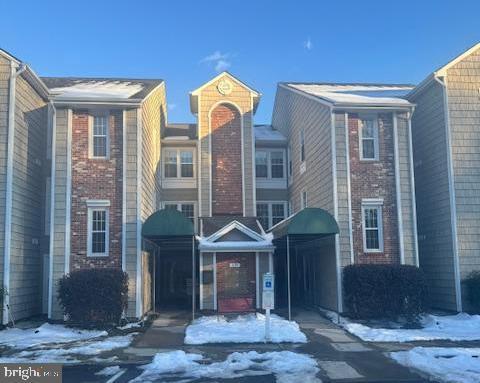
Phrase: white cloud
[220,61]
[307,44]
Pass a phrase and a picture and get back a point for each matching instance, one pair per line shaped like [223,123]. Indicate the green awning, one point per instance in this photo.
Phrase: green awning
[310,221]
[167,223]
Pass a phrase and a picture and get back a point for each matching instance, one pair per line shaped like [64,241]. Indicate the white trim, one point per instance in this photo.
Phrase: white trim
[92,203]
[443,70]
[124,190]
[231,226]
[242,142]
[335,210]
[375,138]
[397,189]
[90,210]
[91,117]
[138,285]
[214,280]
[239,109]
[257,281]
[451,188]
[349,188]
[200,280]
[224,73]
[371,204]
[68,193]
[254,181]
[199,154]
[269,204]
[269,182]
[412,190]
[53,118]
[179,182]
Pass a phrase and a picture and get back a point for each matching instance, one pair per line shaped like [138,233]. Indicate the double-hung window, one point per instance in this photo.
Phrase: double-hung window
[271,213]
[270,164]
[372,226]
[99,137]
[368,139]
[179,163]
[97,229]
[186,208]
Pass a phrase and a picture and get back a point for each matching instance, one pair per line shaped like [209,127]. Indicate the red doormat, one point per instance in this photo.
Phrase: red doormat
[235,305]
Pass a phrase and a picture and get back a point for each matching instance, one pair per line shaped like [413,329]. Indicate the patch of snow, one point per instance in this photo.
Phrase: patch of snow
[45,334]
[267,133]
[130,325]
[458,327]
[287,366]
[98,89]
[69,355]
[108,371]
[461,365]
[244,329]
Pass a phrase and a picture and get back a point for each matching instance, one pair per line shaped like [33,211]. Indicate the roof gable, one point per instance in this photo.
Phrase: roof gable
[443,70]
[229,76]
[231,228]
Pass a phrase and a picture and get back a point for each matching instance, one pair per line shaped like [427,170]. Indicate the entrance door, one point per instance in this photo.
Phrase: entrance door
[236,286]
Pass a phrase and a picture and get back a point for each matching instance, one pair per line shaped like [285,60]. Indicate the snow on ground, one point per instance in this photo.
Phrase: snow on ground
[461,365]
[45,334]
[108,371]
[287,366]
[83,348]
[130,325]
[248,328]
[458,327]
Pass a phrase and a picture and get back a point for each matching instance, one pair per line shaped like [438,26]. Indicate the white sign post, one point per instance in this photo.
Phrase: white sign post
[268,300]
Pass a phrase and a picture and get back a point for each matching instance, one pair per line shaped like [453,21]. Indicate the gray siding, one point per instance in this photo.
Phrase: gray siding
[463,83]
[432,194]
[291,113]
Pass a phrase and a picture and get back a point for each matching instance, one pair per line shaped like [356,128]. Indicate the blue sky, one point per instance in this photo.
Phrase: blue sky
[261,42]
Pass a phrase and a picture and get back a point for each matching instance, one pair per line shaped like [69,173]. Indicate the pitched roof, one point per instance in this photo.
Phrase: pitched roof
[267,133]
[176,130]
[355,94]
[211,225]
[89,88]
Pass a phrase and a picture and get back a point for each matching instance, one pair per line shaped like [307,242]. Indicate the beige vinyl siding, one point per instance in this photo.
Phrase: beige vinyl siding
[463,84]
[432,194]
[58,251]
[31,114]
[406,189]
[178,195]
[206,287]
[4,87]
[292,112]
[131,208]
[343,218]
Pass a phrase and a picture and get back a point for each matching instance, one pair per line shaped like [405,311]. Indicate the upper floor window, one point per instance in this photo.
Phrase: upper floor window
[187,208]
[372,226]
[99,139]
[303,200]
[270,164]
[97,228]
[368,139]
[271,213]
[178,163]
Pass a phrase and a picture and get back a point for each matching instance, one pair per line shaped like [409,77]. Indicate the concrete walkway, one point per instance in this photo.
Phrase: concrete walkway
[340,356]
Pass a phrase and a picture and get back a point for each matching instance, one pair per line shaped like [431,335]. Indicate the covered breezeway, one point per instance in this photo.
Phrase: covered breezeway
[170,237]
[305,260]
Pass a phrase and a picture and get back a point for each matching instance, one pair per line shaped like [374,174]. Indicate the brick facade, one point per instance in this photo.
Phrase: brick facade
[227,178]
[96,179]
[236,283]
[374,179]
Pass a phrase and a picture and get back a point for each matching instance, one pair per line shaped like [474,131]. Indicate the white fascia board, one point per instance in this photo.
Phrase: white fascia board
[231,226]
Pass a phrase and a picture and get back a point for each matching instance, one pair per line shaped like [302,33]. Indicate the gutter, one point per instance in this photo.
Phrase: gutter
[15,71]
[451,187]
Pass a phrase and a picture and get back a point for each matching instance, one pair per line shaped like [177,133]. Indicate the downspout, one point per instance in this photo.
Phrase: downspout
[15,71]
[451,186]
[53,122]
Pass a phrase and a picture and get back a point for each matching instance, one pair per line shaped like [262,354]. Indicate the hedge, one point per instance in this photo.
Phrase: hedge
[384,291]
[472,284]
[94,296]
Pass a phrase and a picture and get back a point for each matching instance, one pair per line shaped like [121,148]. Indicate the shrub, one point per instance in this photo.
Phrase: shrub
[472,283]
[94,296]
[384,291]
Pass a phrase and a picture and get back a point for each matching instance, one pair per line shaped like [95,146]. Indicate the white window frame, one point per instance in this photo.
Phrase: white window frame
[371,203]
[270,210]
[269,182]
[375,137]
[98,205]
[91,118]
[303,200]
[179,181]
[179,208]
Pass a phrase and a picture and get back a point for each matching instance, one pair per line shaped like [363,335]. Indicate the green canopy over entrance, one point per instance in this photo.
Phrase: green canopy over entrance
[167,223]
[310,221]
